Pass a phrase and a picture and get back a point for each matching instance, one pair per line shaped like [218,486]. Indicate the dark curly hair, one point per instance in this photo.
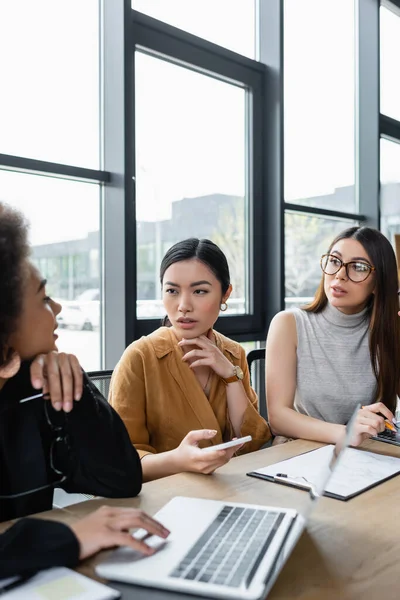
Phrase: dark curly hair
[14,250]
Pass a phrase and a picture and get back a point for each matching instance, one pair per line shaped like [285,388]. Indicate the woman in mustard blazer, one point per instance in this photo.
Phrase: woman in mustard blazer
[186,386]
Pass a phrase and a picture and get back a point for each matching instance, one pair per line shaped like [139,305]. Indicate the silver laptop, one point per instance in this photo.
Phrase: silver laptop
[220,549]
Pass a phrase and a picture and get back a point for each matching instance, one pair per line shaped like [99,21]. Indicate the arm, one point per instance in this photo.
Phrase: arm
[34,544]
[100,459]
[252,422]
[128,396]
[280,378]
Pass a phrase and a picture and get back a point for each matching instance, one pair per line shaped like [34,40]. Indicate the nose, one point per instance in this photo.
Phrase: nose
[56,307]
[342,273]
[184,304]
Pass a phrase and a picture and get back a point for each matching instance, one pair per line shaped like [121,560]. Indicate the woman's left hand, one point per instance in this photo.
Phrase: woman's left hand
[207,354]
[60,375]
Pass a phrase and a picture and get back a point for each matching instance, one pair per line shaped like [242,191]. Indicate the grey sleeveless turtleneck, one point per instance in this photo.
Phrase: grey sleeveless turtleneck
[334,369]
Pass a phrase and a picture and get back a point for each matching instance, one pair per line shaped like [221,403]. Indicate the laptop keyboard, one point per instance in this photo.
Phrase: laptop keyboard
[230,550]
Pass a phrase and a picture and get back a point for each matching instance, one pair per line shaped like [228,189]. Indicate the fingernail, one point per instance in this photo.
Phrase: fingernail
[212,431]
[67,406]
[37,383]
[78,396]
[57,406]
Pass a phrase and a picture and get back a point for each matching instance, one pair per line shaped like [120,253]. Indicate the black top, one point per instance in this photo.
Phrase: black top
[94,453]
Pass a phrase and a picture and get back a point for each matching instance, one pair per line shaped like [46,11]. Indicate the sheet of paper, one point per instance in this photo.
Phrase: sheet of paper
[61,499]
[356,471]
[62,584]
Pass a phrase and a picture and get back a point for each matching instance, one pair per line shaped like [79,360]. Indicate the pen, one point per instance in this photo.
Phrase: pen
[31,398]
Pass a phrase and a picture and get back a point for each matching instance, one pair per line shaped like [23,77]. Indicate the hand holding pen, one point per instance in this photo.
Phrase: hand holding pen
[386,417]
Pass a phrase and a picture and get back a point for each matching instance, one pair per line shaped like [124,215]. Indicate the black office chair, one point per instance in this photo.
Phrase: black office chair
[256,363]
[101,380]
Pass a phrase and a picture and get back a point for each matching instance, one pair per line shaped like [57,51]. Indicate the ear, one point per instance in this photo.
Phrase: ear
[12,366]
[227,294]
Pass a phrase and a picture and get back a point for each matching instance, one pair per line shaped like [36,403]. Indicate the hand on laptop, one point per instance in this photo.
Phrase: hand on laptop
[370,421]
[109,526]
[191,458]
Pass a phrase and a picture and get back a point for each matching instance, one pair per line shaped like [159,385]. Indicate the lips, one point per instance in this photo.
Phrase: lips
[337,290]
[186,320]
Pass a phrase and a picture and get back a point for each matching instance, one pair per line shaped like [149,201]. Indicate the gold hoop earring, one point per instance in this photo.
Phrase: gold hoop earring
[224,306]
[11,367]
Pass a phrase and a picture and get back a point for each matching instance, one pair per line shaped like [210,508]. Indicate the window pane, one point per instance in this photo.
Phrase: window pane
[390,62]
[306,240]
[64,232]
[190,173]
[319,103]
[390,189]
[226,23]
[49,73]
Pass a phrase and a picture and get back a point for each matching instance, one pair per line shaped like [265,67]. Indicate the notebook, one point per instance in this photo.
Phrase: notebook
[358,471]
[220,549]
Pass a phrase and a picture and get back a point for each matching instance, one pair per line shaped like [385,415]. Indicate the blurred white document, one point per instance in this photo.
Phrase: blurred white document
[58,583]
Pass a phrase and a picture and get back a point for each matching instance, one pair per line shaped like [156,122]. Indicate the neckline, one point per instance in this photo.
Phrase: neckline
[340,319]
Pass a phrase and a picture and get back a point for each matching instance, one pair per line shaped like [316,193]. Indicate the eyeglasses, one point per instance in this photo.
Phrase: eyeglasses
[356,270]
[60,439]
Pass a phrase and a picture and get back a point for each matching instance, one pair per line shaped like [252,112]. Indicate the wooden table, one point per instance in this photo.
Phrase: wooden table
[351,550]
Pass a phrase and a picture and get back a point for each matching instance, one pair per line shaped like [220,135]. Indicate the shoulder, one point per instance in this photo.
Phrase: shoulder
[159,343]
[227,345]
[283,326]
[286,319]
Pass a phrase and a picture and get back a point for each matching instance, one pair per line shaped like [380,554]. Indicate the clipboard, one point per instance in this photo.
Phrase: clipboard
[357,472]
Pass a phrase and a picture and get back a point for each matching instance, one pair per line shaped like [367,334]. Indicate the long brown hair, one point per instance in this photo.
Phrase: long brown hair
[383,306]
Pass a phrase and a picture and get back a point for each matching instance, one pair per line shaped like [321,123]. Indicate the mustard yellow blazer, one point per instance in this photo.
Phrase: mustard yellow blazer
[160,399]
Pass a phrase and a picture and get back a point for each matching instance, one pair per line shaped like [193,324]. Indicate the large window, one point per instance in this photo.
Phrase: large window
[50,125]
[319,136]
[390,121]
[307,238]
[319,99]
[49,73]
[390,188]
[198,153]
[191,172]
[390,60]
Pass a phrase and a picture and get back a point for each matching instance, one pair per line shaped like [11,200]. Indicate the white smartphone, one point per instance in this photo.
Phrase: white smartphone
[231,444]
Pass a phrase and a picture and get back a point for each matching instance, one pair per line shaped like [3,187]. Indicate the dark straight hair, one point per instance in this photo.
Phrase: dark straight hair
[203,250]
[383,306]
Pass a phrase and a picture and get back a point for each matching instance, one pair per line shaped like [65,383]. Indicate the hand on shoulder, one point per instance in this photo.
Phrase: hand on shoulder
[61,377]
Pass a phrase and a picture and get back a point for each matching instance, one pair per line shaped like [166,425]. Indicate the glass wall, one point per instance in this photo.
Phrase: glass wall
[49,111]
[389,60]
[307,238]
[390,123]
[191,169]
[319,136]
[319,100]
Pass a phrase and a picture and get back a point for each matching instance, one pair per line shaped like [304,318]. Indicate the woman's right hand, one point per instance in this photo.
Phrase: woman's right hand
[109,526]
[190,458]
[369,423]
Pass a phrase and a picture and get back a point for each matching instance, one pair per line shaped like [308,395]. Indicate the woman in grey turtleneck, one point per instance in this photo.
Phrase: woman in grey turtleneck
[340,350]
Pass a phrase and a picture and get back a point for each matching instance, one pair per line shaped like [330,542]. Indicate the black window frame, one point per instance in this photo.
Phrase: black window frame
[164,41]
